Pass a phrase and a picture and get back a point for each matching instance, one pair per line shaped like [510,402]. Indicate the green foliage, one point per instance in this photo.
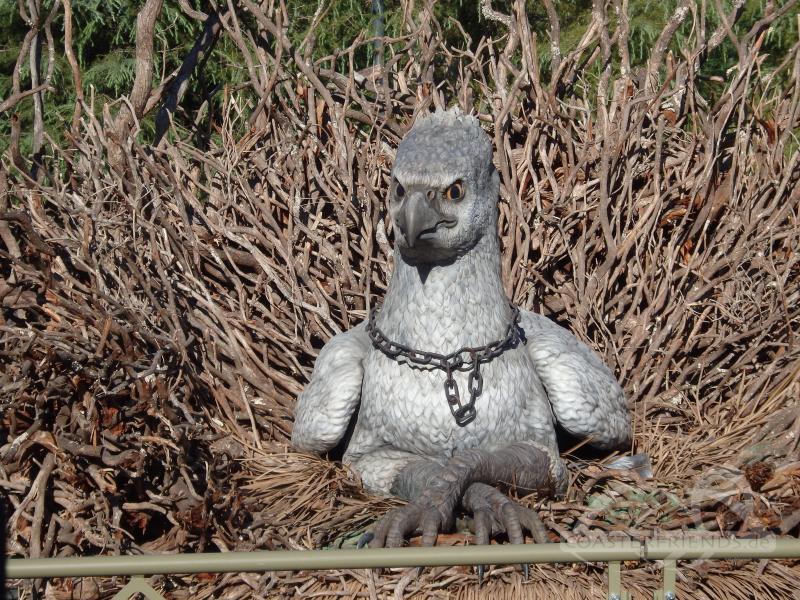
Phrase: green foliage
[105,32]
[341,22]
[12,32]
[104,40]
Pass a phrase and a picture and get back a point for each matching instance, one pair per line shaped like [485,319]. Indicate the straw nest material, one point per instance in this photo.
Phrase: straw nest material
[163,304]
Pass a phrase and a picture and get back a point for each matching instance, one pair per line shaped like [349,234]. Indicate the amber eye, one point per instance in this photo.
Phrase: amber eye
[399,190]
[455,191]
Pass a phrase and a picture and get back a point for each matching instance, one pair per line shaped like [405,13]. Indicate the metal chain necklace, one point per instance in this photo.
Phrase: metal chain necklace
[463,359]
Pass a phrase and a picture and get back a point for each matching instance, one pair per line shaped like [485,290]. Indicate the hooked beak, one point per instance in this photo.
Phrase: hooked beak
[416,218]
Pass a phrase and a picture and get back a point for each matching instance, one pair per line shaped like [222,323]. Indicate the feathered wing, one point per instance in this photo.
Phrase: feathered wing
[586,399]
[327,403]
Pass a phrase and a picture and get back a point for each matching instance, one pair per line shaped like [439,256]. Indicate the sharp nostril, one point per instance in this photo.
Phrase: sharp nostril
[430,194]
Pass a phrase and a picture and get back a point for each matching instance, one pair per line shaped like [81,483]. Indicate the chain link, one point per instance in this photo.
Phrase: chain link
[463,359]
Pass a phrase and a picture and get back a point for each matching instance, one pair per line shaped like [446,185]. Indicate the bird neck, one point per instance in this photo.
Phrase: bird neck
[443,307]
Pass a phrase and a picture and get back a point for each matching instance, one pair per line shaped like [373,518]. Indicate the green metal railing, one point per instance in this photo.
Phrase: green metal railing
[612,553]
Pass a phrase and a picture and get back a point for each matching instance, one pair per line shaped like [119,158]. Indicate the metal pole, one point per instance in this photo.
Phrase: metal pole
[293,560]
[721,548]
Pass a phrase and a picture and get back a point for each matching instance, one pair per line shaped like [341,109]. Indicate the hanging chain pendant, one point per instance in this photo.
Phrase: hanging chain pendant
[463,359]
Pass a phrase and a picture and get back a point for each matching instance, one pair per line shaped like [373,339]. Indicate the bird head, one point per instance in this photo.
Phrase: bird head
[444,188]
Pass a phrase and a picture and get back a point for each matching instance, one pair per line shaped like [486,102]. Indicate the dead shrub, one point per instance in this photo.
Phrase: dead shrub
[163,303]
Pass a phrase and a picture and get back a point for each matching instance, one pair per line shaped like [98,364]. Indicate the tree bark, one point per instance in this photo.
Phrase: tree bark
[198,54]
[143,81]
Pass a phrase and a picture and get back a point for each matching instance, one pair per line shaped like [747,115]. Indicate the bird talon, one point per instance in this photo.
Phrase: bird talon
[481,569]
[365,539]
[493,513]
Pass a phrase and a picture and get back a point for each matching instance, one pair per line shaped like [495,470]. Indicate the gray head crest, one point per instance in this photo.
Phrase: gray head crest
[450,118]
[440,144]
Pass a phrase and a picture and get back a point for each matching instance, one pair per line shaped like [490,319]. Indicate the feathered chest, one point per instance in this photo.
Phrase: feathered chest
[413,400]
[410,406]
[467,359]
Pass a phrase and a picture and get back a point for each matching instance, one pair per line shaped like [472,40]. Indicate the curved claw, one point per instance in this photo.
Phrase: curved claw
[508,518]
[531,521]
[365,539]
[482,525]
[493,512]
[394,527]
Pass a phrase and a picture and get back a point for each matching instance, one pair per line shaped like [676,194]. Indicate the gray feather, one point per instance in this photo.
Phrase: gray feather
[587,400]
[329,400]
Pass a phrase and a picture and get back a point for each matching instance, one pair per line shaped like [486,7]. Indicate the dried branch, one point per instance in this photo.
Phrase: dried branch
[35,57]
[14,99]
[555,38]
[493,15]
[158,326]
[623,36]
[656,59]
